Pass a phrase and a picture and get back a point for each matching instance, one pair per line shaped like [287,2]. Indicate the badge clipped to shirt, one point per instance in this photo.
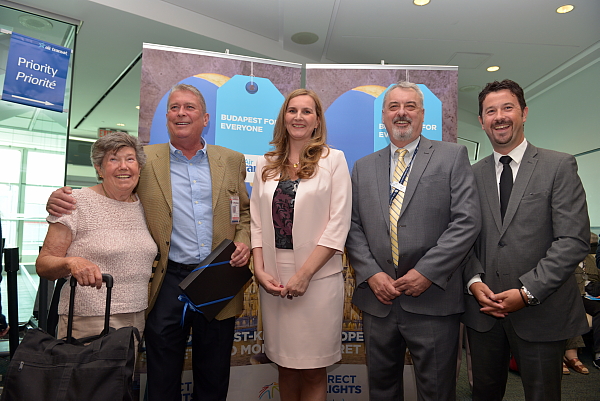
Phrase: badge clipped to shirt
[234,204]
[398,186]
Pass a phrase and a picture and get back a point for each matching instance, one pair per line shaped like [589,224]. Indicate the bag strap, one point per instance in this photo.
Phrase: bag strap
[108,279]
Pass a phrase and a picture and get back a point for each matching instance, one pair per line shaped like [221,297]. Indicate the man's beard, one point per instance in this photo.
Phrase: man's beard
[399,134]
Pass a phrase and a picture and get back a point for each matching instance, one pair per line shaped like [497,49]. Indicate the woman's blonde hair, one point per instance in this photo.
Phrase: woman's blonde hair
[278,158]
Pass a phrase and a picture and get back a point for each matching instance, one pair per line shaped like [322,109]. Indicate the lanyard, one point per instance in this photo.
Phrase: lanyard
[394,191]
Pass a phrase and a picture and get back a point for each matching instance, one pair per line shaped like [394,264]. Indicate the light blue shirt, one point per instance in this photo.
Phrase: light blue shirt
[191,186]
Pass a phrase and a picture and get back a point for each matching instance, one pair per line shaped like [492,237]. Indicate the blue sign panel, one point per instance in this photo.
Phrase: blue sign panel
[36,73]
[365,132]
[246,112]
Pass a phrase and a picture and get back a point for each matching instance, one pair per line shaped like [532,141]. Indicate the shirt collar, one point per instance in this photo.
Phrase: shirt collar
[516,154]
[176,152]
[409,147]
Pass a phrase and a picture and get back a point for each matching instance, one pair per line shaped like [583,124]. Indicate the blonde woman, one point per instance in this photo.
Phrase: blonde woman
[300,210]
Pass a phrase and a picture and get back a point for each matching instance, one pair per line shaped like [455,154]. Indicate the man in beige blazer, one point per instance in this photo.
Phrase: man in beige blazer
[186,186]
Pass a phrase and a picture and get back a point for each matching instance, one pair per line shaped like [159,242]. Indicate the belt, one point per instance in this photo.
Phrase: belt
[181,266]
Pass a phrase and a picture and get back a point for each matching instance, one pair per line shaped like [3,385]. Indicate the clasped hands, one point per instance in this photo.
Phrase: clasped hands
[497,305]
[295,287]
[386,288]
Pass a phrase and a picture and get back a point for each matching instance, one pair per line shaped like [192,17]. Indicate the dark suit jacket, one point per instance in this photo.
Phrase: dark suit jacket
[544,236]
[439,221]
[227,172]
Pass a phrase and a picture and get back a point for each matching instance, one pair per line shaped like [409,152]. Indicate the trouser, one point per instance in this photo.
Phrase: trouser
[540,363]
[433,345]
[166,342]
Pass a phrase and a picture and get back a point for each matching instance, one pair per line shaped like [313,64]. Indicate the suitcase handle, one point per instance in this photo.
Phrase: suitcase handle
[108,279]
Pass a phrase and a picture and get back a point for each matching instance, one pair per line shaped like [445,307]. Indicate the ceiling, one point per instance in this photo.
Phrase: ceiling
[531,43]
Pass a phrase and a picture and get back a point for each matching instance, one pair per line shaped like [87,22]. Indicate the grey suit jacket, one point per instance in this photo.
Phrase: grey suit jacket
[438,223]
[544,236]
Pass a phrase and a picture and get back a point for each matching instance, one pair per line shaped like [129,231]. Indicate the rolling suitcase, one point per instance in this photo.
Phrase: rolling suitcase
[45,368]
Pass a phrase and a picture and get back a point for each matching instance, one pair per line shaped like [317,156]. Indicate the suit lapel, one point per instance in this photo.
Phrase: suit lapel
[526,168]
[490,188]
[382,175]
[418,167]
[161,166]
[217,172]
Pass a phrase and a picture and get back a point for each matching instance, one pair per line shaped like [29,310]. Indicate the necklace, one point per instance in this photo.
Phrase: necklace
[106,194]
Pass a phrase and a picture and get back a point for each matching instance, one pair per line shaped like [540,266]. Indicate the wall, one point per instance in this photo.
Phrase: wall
[559,120]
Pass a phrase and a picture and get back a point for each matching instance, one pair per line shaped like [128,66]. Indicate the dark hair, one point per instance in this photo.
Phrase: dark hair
[496,86]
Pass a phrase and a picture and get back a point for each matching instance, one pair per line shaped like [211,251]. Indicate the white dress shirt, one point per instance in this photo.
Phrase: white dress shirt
[517,157]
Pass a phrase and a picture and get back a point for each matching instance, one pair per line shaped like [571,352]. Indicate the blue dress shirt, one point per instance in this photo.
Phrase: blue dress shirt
[191,186]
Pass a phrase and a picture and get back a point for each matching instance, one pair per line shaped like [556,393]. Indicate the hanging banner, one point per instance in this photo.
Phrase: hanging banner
[357,91]
[352,96]
[243,96]
[36,73]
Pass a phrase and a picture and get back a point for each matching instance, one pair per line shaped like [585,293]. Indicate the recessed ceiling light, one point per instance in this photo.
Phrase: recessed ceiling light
[421,2]
[493,68]
[567,8]
[470,88]
[34,22]
[305,38]
[121,124]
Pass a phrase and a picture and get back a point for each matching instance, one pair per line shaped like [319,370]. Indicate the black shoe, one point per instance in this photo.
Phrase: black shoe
[597,363]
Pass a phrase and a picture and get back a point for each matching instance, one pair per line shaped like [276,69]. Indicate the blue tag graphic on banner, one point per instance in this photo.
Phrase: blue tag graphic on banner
[349,124]
[246,112]
[432,124]
[36,73]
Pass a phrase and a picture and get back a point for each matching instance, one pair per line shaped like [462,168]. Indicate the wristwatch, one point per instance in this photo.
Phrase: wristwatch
[531,300]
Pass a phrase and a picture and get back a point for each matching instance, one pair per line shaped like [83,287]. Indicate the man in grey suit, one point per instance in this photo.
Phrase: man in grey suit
[535,231]
[411,294]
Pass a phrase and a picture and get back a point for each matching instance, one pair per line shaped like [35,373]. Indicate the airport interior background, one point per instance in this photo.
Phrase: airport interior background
[555,57]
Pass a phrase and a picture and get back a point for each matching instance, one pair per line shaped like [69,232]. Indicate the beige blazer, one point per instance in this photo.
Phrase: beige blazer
[321,214]
[228,172]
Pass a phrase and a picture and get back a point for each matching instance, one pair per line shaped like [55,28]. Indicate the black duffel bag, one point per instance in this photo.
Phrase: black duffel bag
[44,368]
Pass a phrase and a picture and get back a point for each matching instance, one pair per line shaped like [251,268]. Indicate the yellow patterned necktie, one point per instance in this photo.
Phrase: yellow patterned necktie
[396,205]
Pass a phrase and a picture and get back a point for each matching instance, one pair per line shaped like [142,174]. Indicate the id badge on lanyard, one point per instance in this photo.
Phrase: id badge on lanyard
[398,186]
[234,204]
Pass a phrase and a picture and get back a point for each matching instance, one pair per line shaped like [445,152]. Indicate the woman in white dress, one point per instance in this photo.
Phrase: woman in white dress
[300,210]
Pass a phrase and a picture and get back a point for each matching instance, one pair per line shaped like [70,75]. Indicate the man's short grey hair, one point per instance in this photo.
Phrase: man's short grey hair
[404,85]
[112,143]
[189,88]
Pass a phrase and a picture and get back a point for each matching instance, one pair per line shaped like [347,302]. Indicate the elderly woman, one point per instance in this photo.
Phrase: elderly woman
[300,210]
[106,233]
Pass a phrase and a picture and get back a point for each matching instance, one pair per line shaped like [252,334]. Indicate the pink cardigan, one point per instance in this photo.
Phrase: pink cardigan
[321,214]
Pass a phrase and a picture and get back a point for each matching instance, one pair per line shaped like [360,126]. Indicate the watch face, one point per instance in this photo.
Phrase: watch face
[534,301]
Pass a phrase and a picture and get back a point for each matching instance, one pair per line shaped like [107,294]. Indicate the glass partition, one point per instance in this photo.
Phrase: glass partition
[33,144]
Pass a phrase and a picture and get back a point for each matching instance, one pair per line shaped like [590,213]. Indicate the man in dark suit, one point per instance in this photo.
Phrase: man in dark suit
[535,231]
[415,215]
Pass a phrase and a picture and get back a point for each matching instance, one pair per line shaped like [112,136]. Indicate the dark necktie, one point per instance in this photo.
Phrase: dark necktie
[506,184]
